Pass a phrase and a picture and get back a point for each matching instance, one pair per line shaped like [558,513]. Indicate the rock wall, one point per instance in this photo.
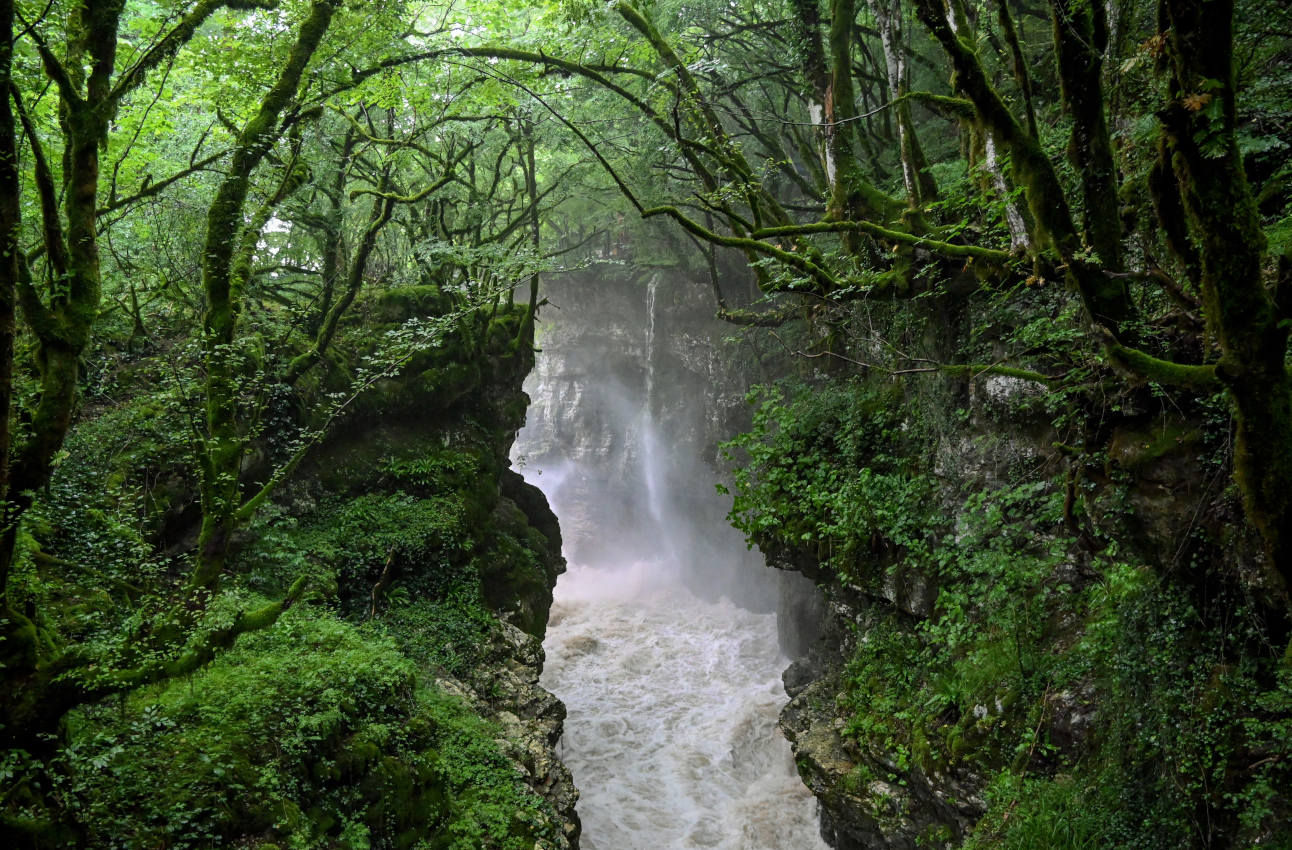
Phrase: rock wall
[927,778]
[635,386]
[444,429]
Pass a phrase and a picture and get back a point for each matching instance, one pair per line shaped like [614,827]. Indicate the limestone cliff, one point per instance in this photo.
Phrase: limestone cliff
[636,386]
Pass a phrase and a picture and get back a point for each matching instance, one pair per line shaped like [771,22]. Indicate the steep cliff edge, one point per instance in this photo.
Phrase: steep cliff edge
[456,553]
[1026,644]
[398,705]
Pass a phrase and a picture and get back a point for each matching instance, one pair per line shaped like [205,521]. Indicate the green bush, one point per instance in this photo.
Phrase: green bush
[315,733]
[824,469]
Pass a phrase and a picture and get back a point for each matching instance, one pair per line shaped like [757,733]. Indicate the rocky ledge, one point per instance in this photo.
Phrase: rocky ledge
[505,690]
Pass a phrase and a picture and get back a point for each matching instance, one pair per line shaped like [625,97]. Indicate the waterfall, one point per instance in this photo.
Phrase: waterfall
[672,694]
[652,286]
[647,433]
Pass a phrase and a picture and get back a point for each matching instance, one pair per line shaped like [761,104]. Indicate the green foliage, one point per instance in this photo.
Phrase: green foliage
[448,631]
[365,532]
[315,733]
[319,731]
[1174,719]
[1011,644]
[823,469]
[1183,711]
[1054,813]
[416,561]
[882,695]
[445,469]
[965,685]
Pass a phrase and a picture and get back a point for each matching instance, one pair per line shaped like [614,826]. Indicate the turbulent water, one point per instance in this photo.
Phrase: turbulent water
[672,702]
[672,690]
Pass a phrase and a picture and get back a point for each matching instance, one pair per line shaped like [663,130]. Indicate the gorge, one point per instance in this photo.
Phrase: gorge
[784,423]
[673,689]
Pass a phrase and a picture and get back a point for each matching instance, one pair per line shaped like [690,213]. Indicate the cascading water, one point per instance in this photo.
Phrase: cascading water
[646,434]
[672,696]
[671,734]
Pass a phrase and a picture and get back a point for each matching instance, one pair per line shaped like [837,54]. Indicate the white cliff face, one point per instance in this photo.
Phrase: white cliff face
[633,389]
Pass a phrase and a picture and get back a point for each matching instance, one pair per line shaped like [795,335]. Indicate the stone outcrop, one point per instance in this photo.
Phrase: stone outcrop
[409,436]
[505,689]
[861,809]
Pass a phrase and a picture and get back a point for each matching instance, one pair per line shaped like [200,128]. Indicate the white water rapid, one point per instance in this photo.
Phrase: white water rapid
[671,734]
[673,690]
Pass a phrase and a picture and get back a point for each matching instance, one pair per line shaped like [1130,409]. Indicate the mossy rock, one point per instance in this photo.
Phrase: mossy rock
[355,758]
[405,302]
[1137,449]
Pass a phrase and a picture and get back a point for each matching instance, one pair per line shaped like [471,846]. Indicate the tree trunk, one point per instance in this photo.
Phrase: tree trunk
[852,197]
[920,188]
[1225,226]
[224,445]
[1079,51]
[10,253]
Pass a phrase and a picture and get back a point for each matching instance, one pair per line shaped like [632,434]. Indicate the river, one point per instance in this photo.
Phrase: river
[673,690]
[671,734]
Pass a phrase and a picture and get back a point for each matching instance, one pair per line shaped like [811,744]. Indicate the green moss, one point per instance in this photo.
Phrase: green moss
[322,730]
[315,733]
[1135,449]
[1145,367]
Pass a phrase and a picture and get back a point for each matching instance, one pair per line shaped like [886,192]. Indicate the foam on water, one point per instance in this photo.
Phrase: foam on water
[672,700]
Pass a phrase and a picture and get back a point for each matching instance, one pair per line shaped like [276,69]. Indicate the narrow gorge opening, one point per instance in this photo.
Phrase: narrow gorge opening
[663,641]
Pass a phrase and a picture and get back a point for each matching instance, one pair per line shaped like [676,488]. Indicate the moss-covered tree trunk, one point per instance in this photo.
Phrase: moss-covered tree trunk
[10,246]
[1213,223]
[1080,37]
[331,233]
[59,315]
[223,283]
[355,268]
[816,76]
[1106,298]
[851,195]
[16,644]
[526,329]
[1225,230]
[61,318]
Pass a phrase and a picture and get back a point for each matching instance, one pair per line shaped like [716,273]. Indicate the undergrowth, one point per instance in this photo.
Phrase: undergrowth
[1098,699]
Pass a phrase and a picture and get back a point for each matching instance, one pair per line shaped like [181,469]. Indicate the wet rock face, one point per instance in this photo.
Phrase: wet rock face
[633,380]
[800,613]
[505,689]
[635,386]
[867,814]
[860,810]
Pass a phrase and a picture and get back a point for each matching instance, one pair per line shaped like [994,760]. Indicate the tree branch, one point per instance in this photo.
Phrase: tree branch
[174,40]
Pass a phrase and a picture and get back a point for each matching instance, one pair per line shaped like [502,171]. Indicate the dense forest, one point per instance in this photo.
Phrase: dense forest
[1015,279]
